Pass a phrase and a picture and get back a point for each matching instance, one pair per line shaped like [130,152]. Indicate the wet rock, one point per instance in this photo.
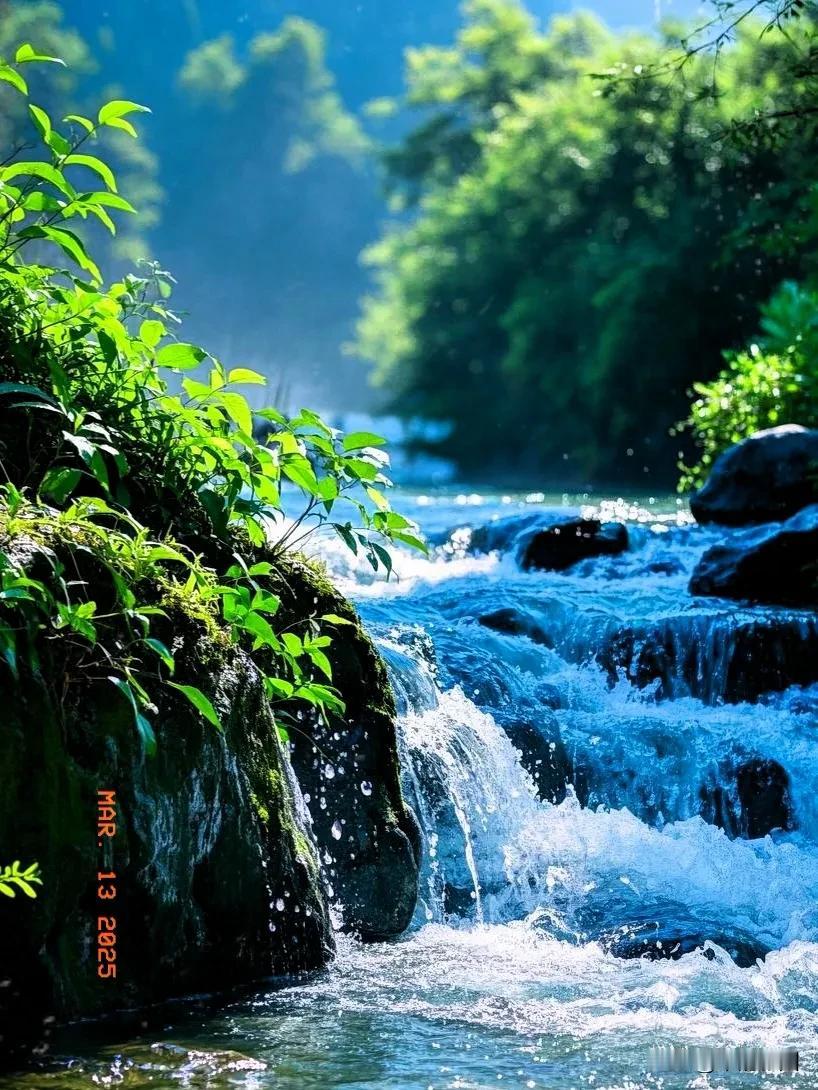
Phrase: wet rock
[350,770]
[768,477]
[764,795]
[217,879]
[750,798]
[713,657]
[542,753]
[558,547]
[550,540]
[516,622]
[658,941]
[776,563]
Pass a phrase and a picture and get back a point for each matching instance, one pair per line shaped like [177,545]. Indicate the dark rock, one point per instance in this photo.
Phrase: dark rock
[713,657]
[658,941]
[558,547]
[767,477]
[542,753]
[749,799]
[764,795]
[516,622]
[776,563]
[217,879]
[349,769]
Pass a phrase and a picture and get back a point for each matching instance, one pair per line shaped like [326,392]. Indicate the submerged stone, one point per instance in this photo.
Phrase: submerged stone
[658,941]
[516,622]
[767,477]
[713,657]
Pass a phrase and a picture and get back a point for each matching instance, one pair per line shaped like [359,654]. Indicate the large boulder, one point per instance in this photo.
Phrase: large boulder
[768,477]
[217,880]
[349,769]
[776,563]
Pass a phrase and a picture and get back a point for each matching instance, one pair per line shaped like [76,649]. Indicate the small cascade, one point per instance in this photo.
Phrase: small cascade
[680,803]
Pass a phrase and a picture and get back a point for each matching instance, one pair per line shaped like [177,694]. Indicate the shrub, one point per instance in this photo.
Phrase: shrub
[775,381]
[121,438]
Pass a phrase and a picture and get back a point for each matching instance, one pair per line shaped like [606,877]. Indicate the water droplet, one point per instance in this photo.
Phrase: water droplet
[336,830]
[366,788]
[329,772]
[280,904]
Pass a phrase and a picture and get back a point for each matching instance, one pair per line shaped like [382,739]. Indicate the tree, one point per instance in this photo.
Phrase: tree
[572,263]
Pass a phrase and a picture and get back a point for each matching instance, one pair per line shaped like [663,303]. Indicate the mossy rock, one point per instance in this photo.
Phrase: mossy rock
[349,768]
[217,882]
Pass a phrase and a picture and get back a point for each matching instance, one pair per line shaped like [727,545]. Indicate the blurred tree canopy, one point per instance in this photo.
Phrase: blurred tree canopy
[577,251]
[43,23]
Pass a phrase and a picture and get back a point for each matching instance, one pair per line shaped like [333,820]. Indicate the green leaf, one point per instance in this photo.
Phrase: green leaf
[68,242]
[41,120]
[119,107]
[180,356]
[27,53]
[45,171]
[239,411]
[142,725]
[30,391]
[109,200]
[151,332]
[300,472]
[356,440]
[60,483]
[378,498]
[84,122]
[264,567]
[125,126]
[199,701]
[246,376]
[333,618]
[365,471]
[293,644]
[91,162]
[9,75]
[159,649]
[322,662]
[261,628]
[279,686]
[412,541]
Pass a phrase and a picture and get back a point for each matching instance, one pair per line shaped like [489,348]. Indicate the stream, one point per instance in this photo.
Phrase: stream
[616,893]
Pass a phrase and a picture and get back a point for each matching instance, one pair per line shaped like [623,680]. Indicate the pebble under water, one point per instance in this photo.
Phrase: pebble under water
[650,875]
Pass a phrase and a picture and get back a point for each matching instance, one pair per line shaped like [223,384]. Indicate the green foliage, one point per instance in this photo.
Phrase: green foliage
[140,447]
[287,68]
[13,878]
[576,257]
[773,382]
[55,85]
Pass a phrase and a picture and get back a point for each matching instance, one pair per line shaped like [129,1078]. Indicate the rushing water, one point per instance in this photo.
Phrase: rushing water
[512,973]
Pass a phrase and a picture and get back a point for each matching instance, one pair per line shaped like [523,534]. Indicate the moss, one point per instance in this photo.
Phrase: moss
[262,811]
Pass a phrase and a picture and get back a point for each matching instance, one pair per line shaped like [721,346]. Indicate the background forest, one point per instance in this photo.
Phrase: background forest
[549,230]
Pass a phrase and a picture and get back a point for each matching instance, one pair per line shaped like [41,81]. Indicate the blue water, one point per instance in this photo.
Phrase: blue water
[510,974]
